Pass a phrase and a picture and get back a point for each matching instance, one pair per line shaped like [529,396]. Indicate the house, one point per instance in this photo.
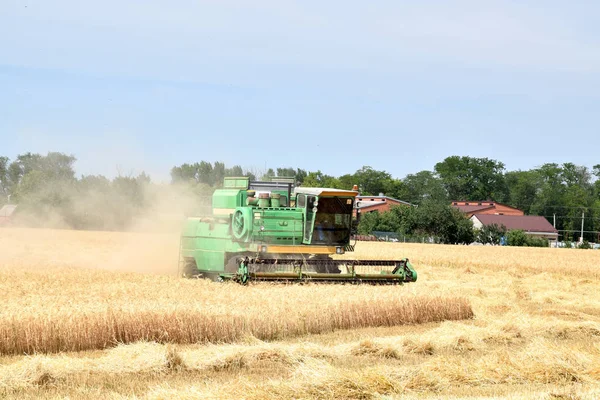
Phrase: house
[485,207]
[6,213]
[381,203]
[533,225]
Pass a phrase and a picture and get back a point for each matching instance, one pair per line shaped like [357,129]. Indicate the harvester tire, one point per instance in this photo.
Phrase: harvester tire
[231,266]
[190,270]
[326,268]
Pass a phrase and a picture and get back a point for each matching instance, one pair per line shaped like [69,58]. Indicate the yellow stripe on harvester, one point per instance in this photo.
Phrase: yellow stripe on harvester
[301,249]
[339,194]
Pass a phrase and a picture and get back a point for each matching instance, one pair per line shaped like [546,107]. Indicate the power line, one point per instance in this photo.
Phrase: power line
[576,231]
[569,217]
[572,207]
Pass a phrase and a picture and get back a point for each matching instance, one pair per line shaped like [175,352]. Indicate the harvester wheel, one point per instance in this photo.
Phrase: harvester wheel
[327,266]
[231,266]
[190,270]
[333,269]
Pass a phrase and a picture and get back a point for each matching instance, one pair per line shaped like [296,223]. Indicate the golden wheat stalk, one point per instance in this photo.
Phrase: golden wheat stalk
[74,330]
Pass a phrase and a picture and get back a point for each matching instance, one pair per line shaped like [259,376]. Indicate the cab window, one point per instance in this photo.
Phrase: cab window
[301,200]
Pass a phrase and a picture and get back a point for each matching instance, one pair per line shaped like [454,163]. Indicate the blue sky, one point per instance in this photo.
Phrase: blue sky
[397,85]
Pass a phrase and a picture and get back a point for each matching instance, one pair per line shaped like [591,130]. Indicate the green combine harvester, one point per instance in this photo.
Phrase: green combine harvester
[273,231]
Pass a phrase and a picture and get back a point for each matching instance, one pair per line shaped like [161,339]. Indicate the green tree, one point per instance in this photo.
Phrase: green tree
[566,191]
[185,173]
[218,174]
[369,222]
[469,178]
[58,166]
[550,193]
[347,181]
[388,222]
[94,204]
[269,174]
[205,173]
[54,166]
[286,172]
[4,179]
[93,182]
[491,234]
[596,172]
[132,189]
[394,188]
[516,237]
[422,186]
[550,189]
[537,242]
[46,202]
[463,231]
[437,220]
[372,182]
[236,171]
[23,164]
[445,223]
[575,175]
[319,179]
[132,196]
[300,176]
[35,178]
[523,187]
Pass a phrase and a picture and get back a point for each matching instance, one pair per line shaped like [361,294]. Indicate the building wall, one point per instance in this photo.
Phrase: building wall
[383,207]
[545,235]
[476,223]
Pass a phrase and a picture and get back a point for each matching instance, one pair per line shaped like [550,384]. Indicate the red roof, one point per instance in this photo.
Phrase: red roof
[367,201]
[472,209]
[528,223]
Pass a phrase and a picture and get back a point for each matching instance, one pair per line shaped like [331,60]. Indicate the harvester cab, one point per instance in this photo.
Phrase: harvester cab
[271,230]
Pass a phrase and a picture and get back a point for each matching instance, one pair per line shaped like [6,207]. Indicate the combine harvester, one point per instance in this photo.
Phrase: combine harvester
[271,231]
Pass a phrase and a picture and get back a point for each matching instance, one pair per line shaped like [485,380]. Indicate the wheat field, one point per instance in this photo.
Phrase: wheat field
[103,315]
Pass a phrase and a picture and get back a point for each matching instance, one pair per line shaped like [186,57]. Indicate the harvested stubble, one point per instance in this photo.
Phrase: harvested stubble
[309,370]
[536,334]
[474,260]
[71,310]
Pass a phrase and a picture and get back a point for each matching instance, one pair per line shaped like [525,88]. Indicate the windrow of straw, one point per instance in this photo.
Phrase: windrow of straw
[75,330]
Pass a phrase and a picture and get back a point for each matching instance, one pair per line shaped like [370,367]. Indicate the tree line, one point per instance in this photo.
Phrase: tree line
[47,185]
[49,194]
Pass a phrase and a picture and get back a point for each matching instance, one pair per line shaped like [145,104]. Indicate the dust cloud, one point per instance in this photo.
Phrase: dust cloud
[37,249]
[103,230]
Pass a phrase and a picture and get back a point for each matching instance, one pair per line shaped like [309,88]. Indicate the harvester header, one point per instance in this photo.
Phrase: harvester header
[272,230]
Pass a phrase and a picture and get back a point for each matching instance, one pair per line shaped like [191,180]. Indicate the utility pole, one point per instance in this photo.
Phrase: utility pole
[582,218]
[554,221]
